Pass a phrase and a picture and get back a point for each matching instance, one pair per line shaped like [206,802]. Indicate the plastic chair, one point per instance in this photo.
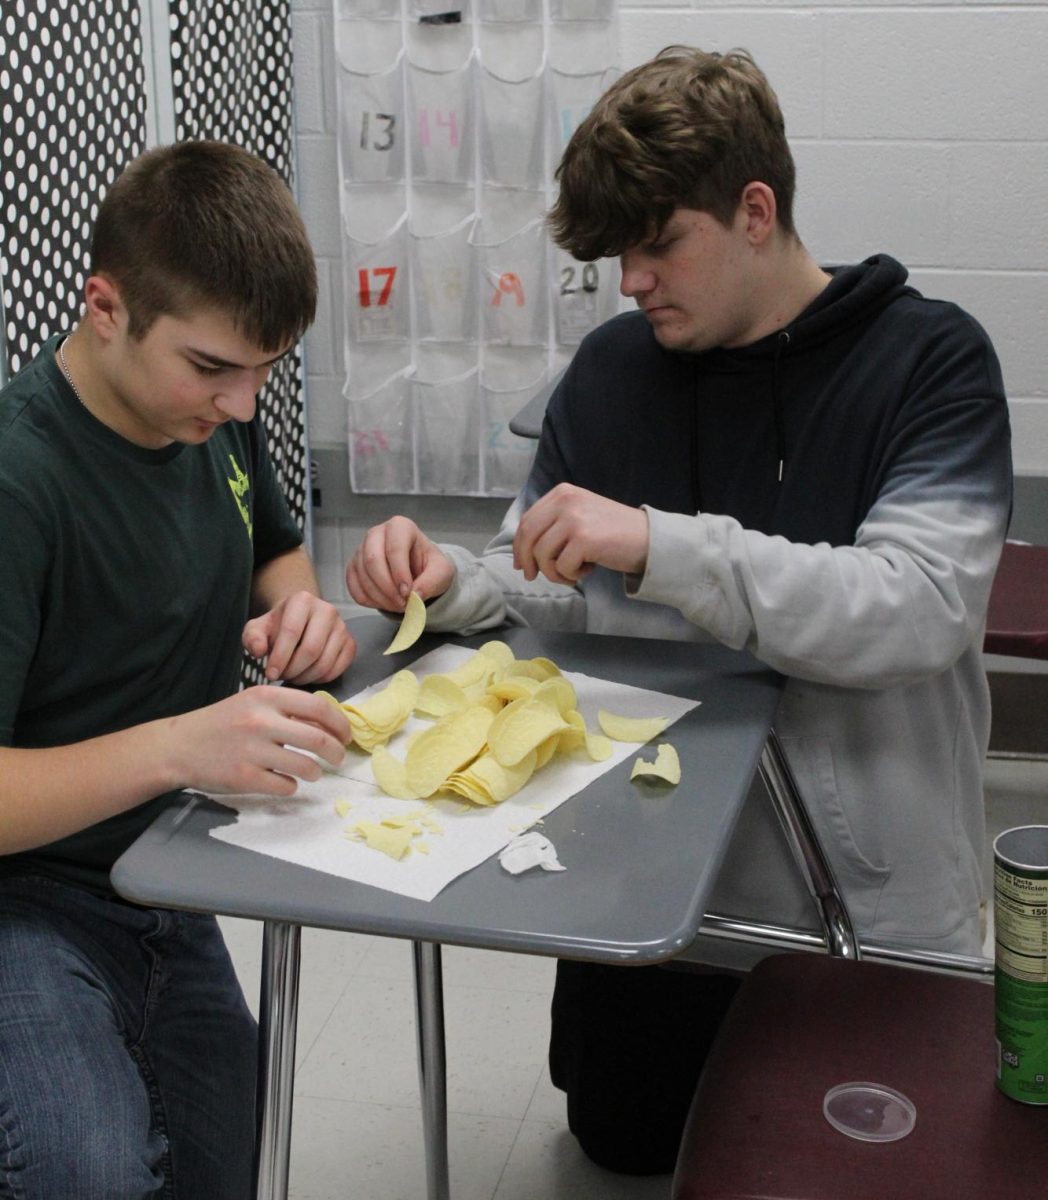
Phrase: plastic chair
[801,1024]
[1017,621]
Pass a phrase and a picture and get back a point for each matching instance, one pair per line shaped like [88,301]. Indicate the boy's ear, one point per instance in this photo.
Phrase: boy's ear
[104,307]
[758,204]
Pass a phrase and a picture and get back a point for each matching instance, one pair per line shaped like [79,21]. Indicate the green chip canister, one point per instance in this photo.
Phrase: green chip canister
[1020,915]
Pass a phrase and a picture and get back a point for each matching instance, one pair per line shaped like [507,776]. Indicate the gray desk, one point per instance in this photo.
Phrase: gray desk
[641,860]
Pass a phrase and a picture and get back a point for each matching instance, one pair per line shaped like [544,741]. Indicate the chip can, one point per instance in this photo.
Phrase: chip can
[1020,913]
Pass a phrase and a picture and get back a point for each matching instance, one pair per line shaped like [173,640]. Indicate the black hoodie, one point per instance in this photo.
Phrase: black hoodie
[790,435]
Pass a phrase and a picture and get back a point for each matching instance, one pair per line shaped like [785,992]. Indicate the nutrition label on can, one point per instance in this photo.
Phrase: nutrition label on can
[1021,924]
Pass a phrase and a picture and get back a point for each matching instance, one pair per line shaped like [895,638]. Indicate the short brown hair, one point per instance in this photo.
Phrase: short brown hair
[207,225]
[689,129]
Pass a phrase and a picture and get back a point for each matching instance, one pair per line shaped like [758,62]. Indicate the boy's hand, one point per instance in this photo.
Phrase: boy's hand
[303,638]
[250,742]
[395,559]
[569,531]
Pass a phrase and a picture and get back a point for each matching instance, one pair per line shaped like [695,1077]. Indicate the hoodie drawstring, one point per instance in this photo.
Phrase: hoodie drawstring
[781,343]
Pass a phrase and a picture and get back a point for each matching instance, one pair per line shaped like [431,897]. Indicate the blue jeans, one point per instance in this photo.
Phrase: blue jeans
[127,1053]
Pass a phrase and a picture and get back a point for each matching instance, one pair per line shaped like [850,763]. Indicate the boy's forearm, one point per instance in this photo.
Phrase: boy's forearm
[47,794]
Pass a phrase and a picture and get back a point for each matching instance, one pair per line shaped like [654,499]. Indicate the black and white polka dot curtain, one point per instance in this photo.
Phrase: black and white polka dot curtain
[231,72]
[231,75]
[72,115]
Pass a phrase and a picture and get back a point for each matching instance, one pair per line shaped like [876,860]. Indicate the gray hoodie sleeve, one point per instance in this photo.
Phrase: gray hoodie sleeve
[900,604]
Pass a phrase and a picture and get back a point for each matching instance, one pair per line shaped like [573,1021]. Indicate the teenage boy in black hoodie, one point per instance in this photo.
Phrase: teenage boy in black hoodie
[811,464]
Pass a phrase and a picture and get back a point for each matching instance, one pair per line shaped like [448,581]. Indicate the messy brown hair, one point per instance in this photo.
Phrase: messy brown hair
[203,225]
[689,129]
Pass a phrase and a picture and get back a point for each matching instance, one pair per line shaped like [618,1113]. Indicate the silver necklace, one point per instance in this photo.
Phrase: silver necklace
[65,370]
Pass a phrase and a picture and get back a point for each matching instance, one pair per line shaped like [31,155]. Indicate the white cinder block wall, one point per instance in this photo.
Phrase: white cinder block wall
[919,129]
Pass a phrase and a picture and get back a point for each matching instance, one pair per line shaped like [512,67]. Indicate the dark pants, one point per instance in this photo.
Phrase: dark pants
[627,1045]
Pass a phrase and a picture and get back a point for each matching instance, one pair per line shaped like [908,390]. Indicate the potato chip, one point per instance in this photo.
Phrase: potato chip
[533,668]
[478,668]
[412,624]
[438,695]
[391,775]
[486,781]
[522,725]
[545,750]
[512,687]
[498,652]
[558,692]
[452,743]
[575,735]
[599,747]
[666,765]
[376,719]
[630,729]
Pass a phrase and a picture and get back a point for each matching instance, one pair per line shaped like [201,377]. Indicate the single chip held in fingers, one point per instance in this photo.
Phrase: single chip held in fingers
[411,626]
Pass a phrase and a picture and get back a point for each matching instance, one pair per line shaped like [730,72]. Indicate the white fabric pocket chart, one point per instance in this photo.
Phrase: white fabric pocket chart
[458,309]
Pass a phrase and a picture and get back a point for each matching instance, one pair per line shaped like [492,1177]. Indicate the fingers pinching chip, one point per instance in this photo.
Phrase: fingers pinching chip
[411,626]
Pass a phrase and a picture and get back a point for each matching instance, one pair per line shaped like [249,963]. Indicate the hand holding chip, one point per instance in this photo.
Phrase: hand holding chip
[250,742]
[393,560]
[303,639]
[569,531]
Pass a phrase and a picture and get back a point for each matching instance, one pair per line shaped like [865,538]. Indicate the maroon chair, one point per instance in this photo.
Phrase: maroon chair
[803,1023]
[1017,621]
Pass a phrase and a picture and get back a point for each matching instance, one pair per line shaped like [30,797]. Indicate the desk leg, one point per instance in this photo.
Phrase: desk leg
[807,850]
[432,1066]
[278,1014]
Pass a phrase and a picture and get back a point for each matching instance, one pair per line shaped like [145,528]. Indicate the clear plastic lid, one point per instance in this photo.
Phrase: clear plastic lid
[870,1112]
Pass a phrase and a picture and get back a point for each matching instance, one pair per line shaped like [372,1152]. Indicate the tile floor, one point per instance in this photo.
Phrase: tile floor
[357,1128]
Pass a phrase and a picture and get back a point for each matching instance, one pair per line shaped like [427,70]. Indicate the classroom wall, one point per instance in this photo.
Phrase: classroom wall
[919,129]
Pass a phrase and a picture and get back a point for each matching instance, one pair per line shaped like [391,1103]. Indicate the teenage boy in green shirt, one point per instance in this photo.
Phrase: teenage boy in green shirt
[145,541]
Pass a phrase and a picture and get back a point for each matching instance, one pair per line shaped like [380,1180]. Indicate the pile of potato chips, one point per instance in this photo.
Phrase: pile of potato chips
[496,720]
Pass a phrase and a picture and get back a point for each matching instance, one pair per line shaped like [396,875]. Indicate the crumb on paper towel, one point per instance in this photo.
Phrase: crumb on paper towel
[392,835]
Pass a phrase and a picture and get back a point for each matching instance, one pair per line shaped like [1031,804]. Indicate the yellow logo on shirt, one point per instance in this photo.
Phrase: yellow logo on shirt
[239,485]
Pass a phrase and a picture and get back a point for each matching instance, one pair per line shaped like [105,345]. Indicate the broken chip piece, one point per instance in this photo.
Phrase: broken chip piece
[411,625]
[380,836]
[666,765]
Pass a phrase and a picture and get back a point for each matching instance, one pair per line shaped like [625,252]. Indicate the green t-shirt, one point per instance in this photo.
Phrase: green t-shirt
[125,576]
